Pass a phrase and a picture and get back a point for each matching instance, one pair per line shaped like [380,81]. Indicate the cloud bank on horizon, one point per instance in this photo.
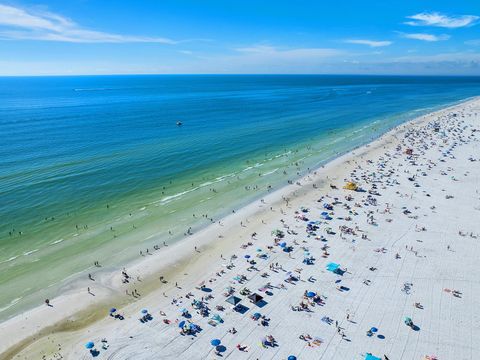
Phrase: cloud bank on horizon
[183,37]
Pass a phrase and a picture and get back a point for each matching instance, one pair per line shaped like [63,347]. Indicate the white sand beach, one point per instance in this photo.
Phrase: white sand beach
[406,244]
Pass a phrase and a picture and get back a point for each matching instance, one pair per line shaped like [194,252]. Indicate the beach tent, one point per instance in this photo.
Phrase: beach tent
[254,298]
[371,357]
[332,267]
[351,186]
[233,300]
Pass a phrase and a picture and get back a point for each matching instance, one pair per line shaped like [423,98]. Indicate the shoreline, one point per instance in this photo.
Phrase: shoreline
[125,249]
[178,256]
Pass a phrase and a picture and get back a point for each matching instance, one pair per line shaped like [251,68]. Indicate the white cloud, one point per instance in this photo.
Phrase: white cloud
[474,42]
[21,24]
[371,43]
[426,37]
[457,57]
[263,51]
[440,20]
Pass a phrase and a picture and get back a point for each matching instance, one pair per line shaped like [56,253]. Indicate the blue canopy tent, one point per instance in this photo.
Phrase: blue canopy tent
[233,300]
[332,266]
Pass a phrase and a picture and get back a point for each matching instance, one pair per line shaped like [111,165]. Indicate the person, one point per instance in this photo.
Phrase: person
[47,301]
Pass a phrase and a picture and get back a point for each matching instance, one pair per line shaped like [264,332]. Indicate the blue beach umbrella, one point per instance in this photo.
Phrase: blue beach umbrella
[112,310]
[247,256]
[215,342]
[181,324]
[283,244]
[373,329]
[89,345]
[292,357]
[144,311]
[310,294]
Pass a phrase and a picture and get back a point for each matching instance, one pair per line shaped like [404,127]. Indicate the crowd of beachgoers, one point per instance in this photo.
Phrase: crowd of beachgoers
[370,257]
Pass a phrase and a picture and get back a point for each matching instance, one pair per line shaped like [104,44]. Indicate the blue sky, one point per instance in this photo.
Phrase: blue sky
[53,37]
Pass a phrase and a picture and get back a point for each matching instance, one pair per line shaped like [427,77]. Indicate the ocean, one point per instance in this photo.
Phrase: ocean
[96,168]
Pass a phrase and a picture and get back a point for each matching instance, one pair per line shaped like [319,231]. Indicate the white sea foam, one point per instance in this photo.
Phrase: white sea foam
[8,260]
[30,252]
[270,172]
[56,241]
[167,199]
[13,302]
[252,167]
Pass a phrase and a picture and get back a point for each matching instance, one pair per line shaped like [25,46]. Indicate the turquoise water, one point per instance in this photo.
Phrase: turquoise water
[95,168]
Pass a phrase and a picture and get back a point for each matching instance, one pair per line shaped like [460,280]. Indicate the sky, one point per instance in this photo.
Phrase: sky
[80,37]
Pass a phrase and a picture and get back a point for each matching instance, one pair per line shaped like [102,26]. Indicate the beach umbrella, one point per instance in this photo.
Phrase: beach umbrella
[283,244]
[144,311]
[259,250]
[221,348]
[181,324]
[257,315]
[310,294]
[112,310]
[215,342]
[247,256]
[292,357]
[89,345]
[373,329]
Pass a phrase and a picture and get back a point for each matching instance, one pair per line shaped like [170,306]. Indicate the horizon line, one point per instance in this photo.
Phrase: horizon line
[239,74]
